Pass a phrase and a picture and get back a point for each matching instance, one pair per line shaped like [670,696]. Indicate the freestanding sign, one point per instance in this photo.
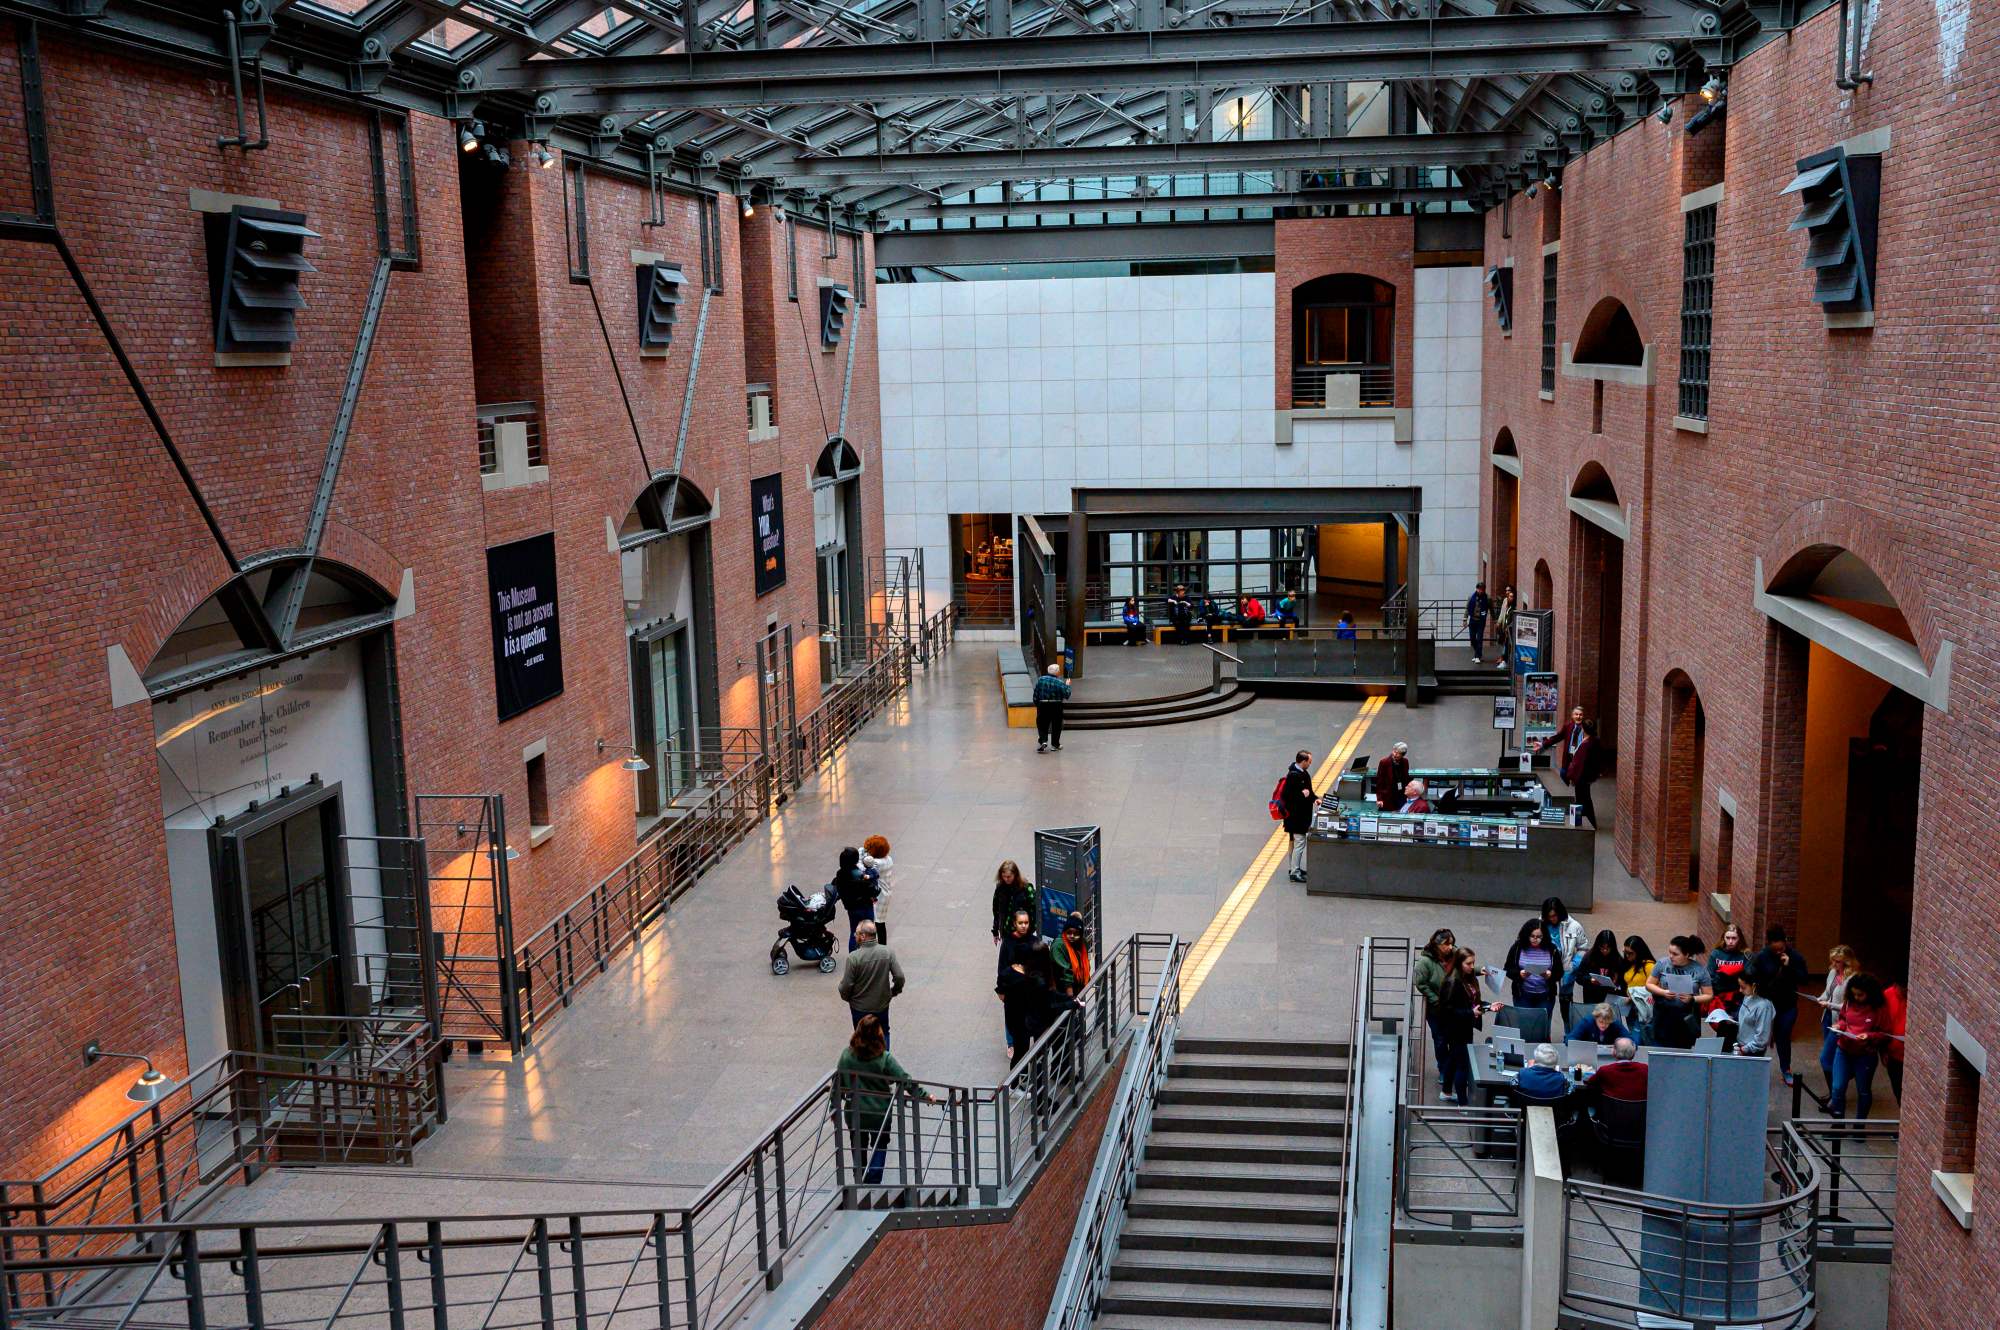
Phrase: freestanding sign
[527,628]
[767,515]
[1069,880]
[1534,631]
[1504,712]
[1541,701]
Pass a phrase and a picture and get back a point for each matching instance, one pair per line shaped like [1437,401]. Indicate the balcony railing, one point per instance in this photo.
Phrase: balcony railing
[496,422]
[1316,387]
[760,408]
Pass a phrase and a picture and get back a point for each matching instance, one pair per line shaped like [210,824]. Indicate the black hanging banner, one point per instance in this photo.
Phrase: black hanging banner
[527,631]
[767,512]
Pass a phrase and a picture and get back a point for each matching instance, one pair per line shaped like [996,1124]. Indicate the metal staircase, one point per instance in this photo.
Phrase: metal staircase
[1235,1215]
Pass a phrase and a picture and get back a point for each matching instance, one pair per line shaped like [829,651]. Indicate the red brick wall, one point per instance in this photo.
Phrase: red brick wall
[1870,441]
[107,550]
[1380,247]
[982,1276]
[499,236]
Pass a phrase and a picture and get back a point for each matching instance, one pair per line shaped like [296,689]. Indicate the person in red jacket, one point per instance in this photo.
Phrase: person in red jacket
[1392,773]
[1577,756]
[1624,1077]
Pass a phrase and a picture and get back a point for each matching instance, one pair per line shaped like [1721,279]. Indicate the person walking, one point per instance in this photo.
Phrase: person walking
[1012,893]
[867,1081]
[1477,607]
[872,977]
[875,859]
[1051,695]
[857,889]
[1296,800]
[1022,980]
[1780,972]
[1503,623]
[1072,957]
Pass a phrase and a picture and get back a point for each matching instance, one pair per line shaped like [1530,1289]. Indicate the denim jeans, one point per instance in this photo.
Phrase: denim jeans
[867,1165]
[1781,1037]
[882,1016]
[1860,1069]
[1440,1046]
[1827,1043]
[1455,1071]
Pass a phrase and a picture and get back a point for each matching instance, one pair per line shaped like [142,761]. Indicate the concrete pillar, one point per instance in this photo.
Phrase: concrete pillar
[1077,575]
[1541,1221]
[1413,598]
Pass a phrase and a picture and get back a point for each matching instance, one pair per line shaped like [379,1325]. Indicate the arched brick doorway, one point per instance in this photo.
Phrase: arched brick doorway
[1500,573]
[1596,608]
[1679,830]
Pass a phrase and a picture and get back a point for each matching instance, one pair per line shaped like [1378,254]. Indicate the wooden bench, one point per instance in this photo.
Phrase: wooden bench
[1018,690]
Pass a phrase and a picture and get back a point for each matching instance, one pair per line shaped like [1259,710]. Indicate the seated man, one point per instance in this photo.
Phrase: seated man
[1599,1027]
[1211,616]
[1251,612]
[1288,609]
[1624,1077]
[1413,799]
[1541,1079]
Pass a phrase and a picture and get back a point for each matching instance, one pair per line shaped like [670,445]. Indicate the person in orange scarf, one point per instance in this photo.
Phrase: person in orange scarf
[1072,957]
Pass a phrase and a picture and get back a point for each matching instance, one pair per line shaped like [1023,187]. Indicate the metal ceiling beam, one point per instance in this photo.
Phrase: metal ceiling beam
[1161,202]
[1137,243]
[1133,158]
[1021,66]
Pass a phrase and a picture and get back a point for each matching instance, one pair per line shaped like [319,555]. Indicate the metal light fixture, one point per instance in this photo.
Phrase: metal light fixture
[468,136]
[749,208]
[543,157]
[512,854]
[634,763]
[1714,88]
[1534,190]
[1666,114]
[152,1085]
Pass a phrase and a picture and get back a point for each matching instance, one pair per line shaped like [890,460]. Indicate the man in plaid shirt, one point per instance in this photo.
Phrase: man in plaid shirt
[1050,694]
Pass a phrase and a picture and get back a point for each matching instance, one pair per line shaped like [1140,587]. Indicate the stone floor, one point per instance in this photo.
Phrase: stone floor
[689,1048]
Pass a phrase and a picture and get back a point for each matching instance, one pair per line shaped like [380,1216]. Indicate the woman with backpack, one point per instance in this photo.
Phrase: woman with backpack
[858,889]
[1292,803]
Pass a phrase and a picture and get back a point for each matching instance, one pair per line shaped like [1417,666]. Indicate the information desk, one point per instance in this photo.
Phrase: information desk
[1357,850]
[1485,791]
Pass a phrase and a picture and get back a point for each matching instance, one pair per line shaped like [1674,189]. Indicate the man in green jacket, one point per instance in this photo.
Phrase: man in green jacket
[872,977]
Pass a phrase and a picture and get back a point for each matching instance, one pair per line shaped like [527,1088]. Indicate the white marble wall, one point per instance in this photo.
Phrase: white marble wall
[997,397]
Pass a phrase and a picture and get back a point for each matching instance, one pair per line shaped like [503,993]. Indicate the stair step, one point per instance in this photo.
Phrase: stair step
[1221,1147]
[1250,1237]
[1232,1207]
[1224,706]
[1089,707]
[1254,1094]
[1244,1067]
[1301,1180]
[1130,1321]
[1260,1120]
[1188,1043]
[1262,1269]
[1143,705]
[1181,1301]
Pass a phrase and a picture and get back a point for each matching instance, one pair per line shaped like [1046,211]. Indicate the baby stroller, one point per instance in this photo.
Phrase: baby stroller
[806,919]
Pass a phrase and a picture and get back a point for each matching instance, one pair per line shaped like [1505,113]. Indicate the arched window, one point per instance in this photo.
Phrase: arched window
[838,461]
[1343,342]
[274,609]
[1609,337]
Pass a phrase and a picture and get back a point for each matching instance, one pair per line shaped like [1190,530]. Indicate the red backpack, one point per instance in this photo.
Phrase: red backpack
[1278,799]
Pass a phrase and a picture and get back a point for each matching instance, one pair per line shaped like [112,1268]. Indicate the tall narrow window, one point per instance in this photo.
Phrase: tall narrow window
[1548,323]
[539,817]
[1697,309]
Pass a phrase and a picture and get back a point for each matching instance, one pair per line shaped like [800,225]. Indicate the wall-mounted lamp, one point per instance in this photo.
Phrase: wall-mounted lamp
[634,763]
[1715,88]
[152,1085]
[1666,114]
[543,157]
[469,135]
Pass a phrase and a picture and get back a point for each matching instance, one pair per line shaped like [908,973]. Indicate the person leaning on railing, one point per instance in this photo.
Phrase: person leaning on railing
[867,1081]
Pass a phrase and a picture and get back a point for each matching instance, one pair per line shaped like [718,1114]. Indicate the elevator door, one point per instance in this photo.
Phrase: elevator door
[282,911]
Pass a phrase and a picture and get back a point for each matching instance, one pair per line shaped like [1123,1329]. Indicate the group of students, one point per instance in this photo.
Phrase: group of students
[1035,980]
[1751,1001]
[1184,612]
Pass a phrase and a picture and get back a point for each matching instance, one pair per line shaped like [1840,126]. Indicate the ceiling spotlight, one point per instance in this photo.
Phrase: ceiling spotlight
[543,157]
[1699,120]
[467,140]
[749,208]
[1551,184]
[1714,88]
[1534,190]
[1666,114]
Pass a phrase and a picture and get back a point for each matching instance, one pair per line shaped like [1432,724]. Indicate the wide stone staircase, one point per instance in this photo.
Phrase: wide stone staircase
[1171,709]
[1235,1217]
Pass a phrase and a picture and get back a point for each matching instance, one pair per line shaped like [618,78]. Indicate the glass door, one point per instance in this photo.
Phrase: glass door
[671,674]
[282,911]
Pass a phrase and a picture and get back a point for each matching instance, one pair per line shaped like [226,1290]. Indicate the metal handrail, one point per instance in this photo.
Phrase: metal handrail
[1857,1167]
[695,1265]
[1476,1181]
[1101,1214]
[1372,1005]
[1627,1255]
